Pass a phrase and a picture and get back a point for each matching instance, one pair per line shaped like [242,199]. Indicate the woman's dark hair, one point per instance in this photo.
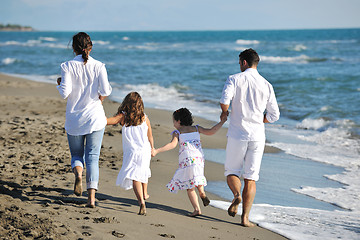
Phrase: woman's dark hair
[184,115]
[81,44]
[133,109]
[251,57]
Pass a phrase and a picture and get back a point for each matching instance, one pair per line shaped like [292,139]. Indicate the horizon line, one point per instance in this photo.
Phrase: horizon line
[200,30]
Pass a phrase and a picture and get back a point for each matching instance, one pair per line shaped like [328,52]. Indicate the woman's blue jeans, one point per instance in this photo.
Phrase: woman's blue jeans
[85,150]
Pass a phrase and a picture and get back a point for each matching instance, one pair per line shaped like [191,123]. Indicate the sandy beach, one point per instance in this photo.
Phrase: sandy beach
[37,200]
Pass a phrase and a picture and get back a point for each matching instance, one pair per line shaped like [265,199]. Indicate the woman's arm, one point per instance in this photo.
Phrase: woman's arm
[104,85]
[64,82]
[149,133]
[116,119]
[102,98]
[167,147]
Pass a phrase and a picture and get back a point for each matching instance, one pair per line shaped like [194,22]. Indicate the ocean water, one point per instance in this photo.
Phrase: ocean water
[311,190]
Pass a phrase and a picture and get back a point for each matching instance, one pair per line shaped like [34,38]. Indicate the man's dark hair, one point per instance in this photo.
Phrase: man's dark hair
[251,57]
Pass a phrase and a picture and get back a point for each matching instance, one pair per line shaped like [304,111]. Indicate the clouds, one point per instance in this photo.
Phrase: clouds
[115,15]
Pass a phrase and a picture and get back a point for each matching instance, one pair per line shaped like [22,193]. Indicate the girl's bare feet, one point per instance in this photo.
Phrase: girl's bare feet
[232,210]
[195,213]
[142,210]
[146,197]
[90,205]
[205,200]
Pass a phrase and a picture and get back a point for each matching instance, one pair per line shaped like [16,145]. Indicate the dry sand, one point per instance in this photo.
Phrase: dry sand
[36,184]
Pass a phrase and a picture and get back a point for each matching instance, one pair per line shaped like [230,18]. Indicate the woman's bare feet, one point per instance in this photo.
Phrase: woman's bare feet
[142,210]
[233,209]
[91,198]
[146,196]
[78,184]
[195,213]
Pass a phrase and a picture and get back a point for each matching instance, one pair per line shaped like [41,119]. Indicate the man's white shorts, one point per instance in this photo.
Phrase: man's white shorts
[243,158]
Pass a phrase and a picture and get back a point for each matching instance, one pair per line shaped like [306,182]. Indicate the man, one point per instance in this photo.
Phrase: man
[253,103]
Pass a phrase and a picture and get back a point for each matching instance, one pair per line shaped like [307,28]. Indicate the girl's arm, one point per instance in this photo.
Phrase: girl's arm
[116,119]
[215,128]
[167,147]
[149,133]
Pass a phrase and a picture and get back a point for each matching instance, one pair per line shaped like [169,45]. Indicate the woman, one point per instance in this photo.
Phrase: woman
[85,84]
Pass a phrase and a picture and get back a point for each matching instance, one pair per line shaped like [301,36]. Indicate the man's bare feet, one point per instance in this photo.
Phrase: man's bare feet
[195,213]
[205,200]
[78,185]
[247,224]
[232,210]
[142,210]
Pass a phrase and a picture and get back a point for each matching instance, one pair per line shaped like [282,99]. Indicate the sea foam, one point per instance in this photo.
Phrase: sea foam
[327,142]
[247,42]
[99,42]
[34,43]
[309,223]
[278,59]
[8,61]
[299,48]
[48,39]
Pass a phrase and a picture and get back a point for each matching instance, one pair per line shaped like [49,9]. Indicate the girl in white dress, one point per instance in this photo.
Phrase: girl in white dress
[137,142]
[190,174]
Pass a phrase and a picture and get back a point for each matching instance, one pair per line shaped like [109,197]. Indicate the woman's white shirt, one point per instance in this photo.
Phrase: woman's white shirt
[82,85]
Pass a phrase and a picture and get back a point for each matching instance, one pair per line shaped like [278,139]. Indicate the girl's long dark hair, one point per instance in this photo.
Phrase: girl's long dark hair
[82,44]
[133,109]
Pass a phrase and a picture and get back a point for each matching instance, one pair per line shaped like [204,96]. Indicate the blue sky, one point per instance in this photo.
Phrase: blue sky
[139,15]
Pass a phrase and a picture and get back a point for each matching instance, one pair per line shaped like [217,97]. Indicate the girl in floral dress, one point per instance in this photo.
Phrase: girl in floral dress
[190,174]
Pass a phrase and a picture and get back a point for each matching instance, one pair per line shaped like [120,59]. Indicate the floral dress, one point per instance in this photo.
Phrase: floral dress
[191,163]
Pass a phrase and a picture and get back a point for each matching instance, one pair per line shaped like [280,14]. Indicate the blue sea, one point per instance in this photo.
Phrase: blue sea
[316,78]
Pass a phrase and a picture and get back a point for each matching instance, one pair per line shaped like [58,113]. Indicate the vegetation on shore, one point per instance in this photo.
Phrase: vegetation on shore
[14,27]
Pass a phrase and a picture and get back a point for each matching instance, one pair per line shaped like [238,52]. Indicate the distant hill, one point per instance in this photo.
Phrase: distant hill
[15,27]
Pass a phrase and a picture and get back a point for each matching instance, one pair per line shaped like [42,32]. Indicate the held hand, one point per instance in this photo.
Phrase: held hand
[223,116]
[102,98]
[58,80]
[153,152]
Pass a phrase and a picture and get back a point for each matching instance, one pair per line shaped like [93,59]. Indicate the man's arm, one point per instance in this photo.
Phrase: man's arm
[226,97]
[224,110]
[272,108]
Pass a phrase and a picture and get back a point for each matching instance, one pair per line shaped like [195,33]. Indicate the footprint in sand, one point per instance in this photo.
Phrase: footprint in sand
[86,234]
[117,234]
[105,220]
[157,225]
[165,235]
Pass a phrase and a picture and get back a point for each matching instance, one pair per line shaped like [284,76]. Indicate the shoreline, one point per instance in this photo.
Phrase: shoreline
[37,181]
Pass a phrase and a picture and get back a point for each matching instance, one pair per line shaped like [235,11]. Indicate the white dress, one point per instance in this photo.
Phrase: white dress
[191,163]
[136,156]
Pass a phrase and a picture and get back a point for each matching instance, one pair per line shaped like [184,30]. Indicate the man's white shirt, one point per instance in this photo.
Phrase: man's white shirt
[250,96]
